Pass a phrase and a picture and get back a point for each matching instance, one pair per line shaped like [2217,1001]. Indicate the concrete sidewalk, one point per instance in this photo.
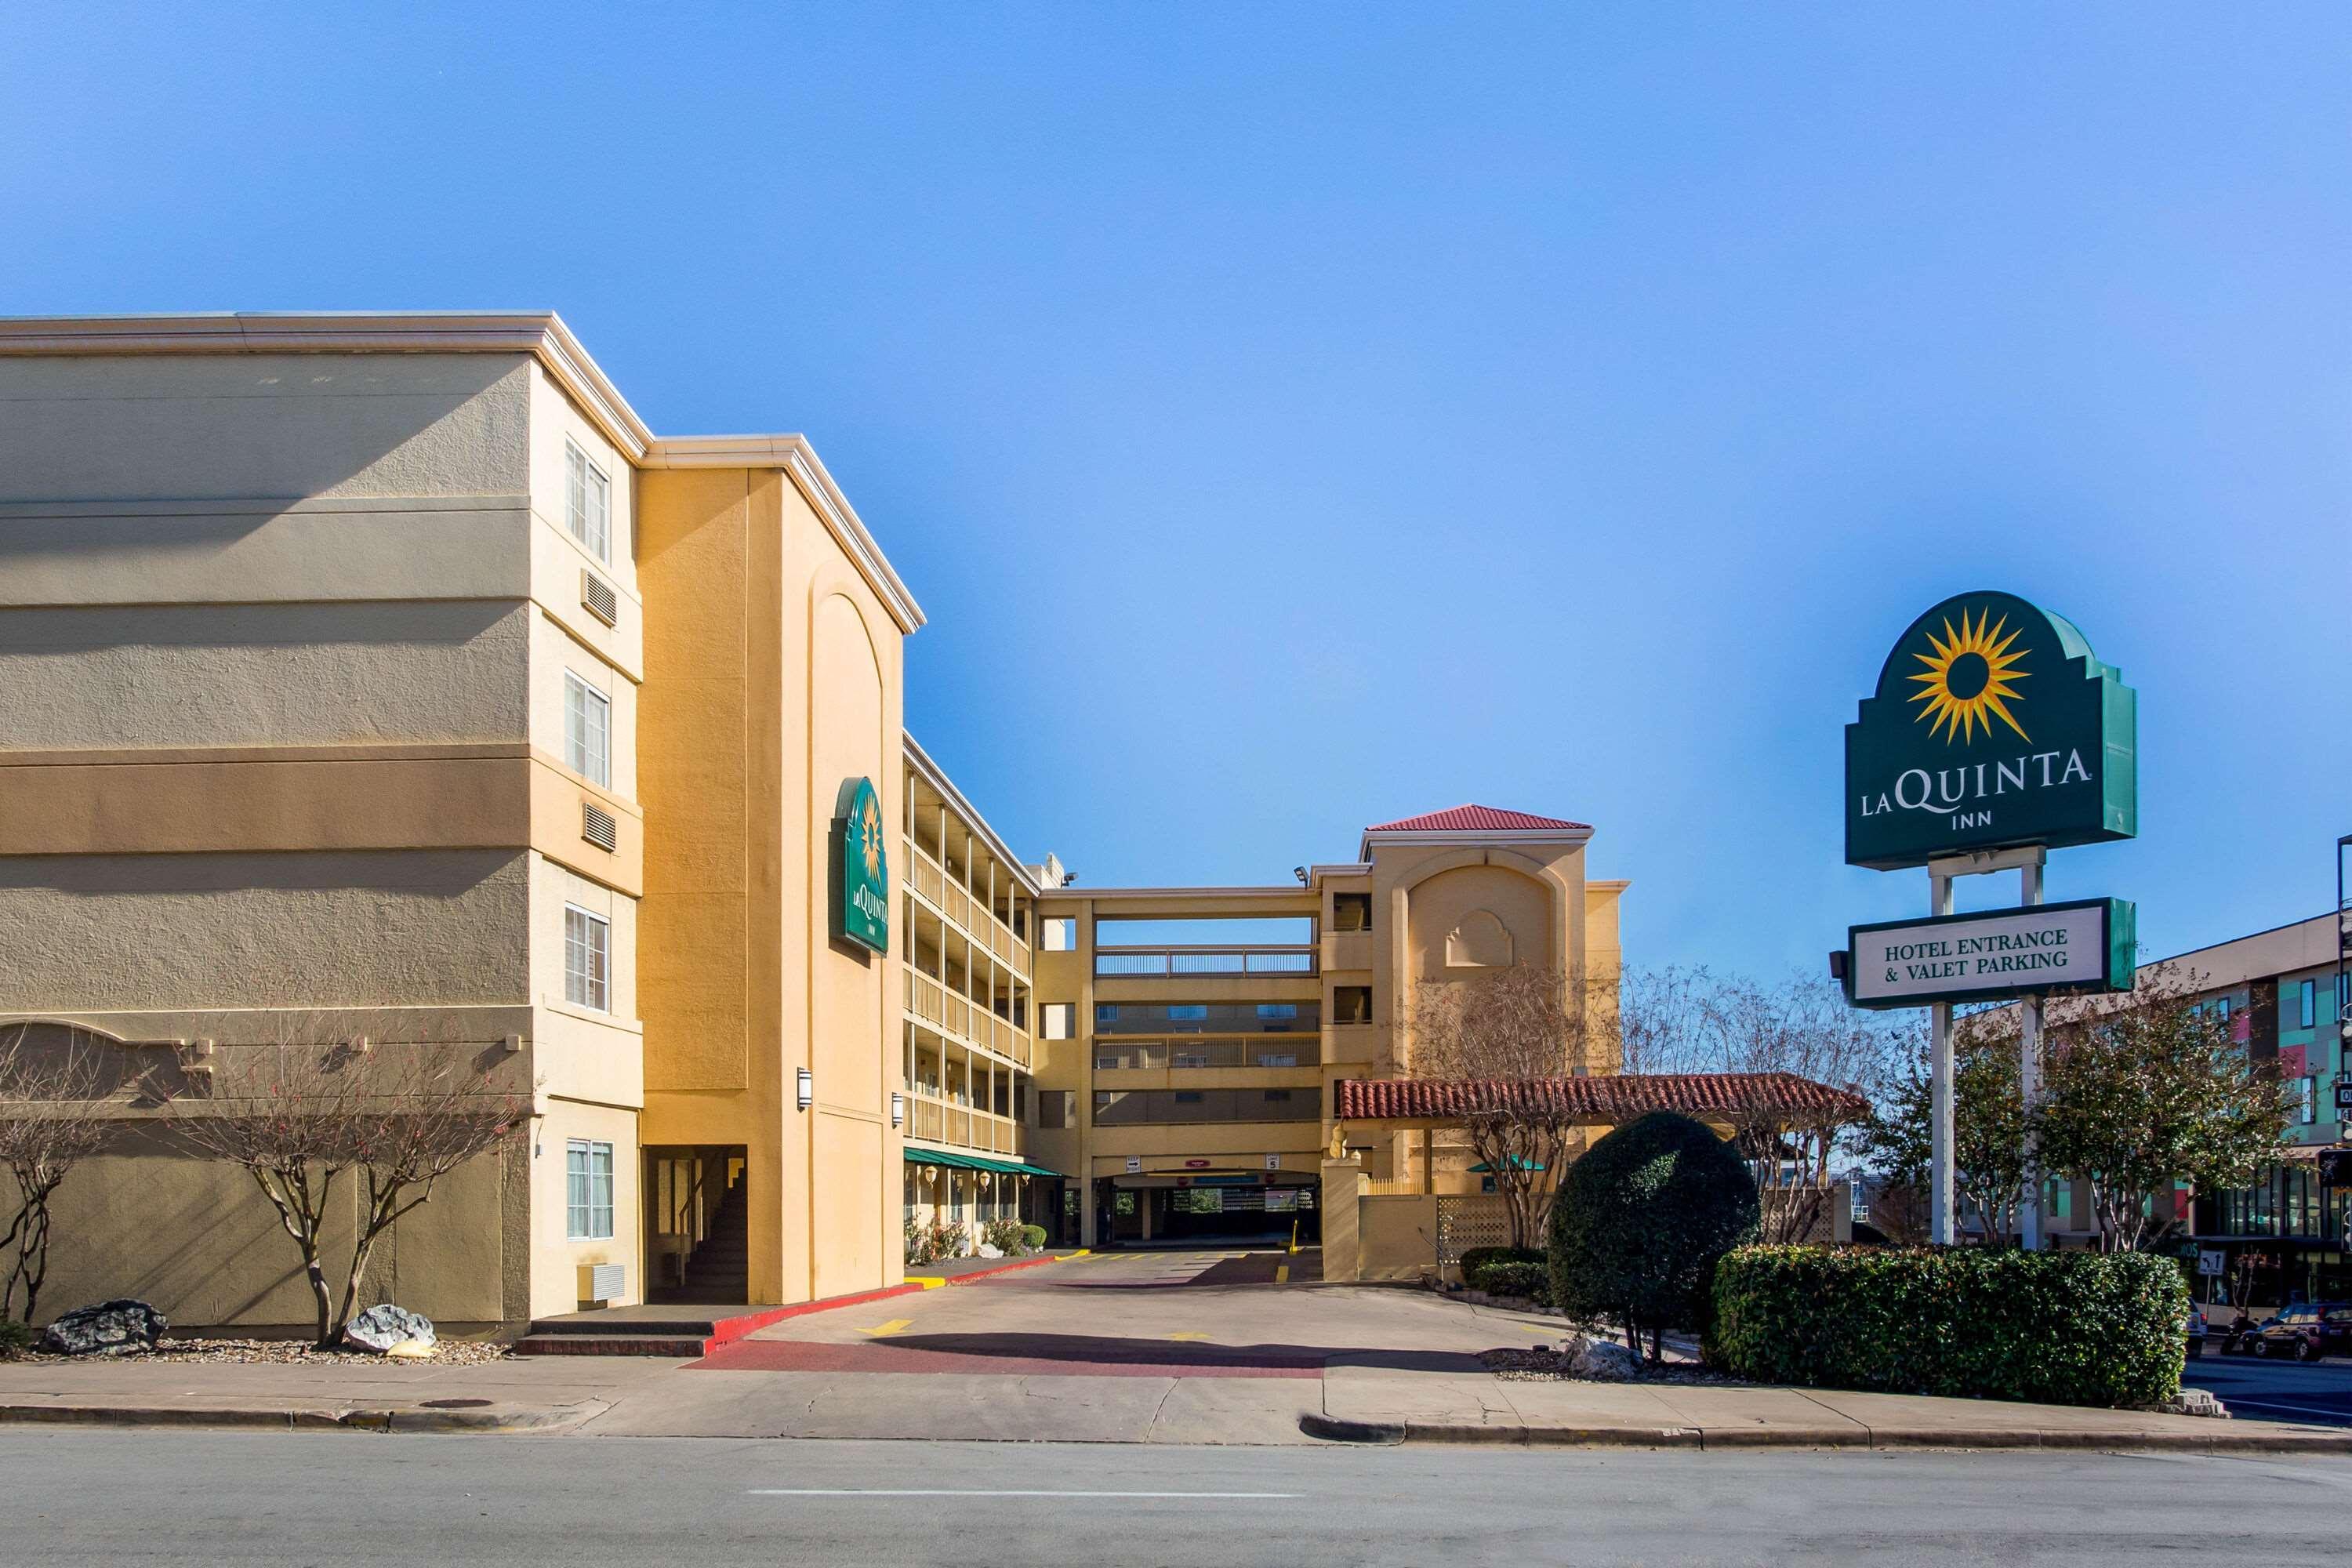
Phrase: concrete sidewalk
[1380,1404]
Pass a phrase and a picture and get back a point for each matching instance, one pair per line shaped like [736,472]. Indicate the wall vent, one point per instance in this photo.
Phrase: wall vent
[604,1281]
[598,826]
[598,596]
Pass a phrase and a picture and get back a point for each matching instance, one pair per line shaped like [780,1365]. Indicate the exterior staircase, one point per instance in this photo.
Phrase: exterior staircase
[717,1267]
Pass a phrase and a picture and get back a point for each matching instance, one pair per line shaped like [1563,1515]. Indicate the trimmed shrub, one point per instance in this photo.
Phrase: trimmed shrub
[1639,1221]
[1514,1277]
[1477,1257]
[1032,1238]
[15,1337]
[2056,1328]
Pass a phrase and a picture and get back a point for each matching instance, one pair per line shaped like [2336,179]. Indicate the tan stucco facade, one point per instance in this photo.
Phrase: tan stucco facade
[388,675]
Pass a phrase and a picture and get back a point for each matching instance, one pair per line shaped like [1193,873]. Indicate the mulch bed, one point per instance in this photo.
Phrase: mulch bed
[449,1352]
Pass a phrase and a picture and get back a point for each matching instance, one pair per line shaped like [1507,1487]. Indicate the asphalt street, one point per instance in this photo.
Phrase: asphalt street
[79,1496]
[2316,1392]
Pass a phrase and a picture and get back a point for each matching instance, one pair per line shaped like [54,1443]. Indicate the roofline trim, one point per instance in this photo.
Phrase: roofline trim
[540,333]
[1506,836]
[938,779]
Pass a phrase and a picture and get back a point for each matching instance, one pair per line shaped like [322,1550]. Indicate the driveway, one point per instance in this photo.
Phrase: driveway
[1177,1347]
[2316,1392]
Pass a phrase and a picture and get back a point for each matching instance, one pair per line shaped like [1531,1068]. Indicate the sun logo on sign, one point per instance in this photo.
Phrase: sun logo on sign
[1971,678]
[870,829]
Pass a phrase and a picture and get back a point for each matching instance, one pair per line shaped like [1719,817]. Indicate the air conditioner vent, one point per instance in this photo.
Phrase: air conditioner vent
[598,826]
[598,596]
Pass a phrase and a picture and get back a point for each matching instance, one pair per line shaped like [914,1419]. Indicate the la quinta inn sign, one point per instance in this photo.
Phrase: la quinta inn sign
[1993,725]
[861,868]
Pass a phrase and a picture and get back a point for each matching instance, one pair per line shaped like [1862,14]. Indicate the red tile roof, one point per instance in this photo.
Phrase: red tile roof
[1477,819]
[1613,1099]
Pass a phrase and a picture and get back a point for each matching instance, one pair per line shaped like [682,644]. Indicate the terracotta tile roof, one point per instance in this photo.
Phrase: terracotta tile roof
[1476,819]
[1613,1098]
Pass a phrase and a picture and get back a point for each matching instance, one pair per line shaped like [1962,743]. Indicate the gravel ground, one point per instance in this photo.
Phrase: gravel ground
[449,1352]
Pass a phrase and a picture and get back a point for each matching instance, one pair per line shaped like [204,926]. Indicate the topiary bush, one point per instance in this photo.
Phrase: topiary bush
[1032,1238]
[1639,1221]
[2056,1328]
[1514,1277]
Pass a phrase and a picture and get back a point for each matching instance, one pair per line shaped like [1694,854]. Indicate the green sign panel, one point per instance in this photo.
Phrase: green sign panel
[1993,725]
[861,868]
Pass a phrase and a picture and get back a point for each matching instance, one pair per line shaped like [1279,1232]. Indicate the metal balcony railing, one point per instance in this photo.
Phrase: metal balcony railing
[1178,963]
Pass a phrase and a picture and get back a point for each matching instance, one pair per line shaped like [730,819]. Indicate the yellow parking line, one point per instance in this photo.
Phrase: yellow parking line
[894,1326]
[1188,1336]
[1281,1273]
[928,1281]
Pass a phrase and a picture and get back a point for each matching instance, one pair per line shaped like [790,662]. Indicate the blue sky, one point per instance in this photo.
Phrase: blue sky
[1295,417]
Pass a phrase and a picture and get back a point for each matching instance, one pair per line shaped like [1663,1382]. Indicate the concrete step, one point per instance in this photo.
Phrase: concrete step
[611,1345]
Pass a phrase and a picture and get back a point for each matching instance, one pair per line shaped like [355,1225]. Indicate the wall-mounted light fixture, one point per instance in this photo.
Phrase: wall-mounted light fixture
[898,1111]
[807,1088]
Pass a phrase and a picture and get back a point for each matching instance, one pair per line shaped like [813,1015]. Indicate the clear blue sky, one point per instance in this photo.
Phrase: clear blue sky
[1293,417]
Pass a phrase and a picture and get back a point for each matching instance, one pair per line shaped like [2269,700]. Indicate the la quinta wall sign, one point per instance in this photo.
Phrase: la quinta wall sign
[1993,725]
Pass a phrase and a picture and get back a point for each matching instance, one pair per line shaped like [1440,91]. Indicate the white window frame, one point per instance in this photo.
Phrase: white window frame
[584,1217]
[585,709]
[589,936]
[1065,1015]
[587,501]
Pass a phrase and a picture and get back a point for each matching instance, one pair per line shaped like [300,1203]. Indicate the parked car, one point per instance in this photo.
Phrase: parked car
[2307,1332]
[2196,1330]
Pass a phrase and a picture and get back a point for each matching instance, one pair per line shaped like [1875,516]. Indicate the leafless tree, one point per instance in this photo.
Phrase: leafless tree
[299,1116]
[54,1094]
[1496,1040]
[1688,1019]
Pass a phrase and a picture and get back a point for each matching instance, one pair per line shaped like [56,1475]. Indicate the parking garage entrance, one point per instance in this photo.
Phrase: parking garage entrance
[1217,1207]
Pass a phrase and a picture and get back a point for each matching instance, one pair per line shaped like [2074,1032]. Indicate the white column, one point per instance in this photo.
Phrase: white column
[1939,1067]
[2028,1076]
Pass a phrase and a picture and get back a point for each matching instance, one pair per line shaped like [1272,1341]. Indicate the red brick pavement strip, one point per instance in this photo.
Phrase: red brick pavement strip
[809,1355]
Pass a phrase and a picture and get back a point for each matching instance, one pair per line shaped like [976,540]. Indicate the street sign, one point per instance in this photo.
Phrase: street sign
[1274,1161]
[2210,1261]
[2086,945]
[1134,1164]
[2344,1097]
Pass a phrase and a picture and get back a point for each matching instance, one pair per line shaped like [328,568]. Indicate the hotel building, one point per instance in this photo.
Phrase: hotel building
[386,678]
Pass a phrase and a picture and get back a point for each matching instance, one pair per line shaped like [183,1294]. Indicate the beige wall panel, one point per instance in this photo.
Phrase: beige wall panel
[267,425]
[218,675]
[1396,1238]
[195,1240]
[557,824]
[554,887]
[555,420]
[847,740]
[555,1257]
[198,807]
[576,1056]
[690,978]
[856,1208]
[1470,900]
[264,552]
[414,928]
[1205,1138]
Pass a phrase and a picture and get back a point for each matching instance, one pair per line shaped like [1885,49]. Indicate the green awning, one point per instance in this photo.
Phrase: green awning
[1518,1162]
[950,1161]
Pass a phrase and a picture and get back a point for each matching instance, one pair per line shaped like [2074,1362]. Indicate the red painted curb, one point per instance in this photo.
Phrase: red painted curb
[728,1329]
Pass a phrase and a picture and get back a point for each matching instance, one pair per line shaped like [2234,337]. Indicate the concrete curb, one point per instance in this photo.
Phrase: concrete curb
[933,1281]
[298,1418]
[2239,1439]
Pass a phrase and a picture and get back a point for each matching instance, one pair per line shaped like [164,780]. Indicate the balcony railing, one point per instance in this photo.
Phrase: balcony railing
[1112,1055]
[1179,963]
[964,1019]
[972,916]
[937,1121]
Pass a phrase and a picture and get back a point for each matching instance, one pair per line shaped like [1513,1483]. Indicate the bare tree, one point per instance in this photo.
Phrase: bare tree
[55,1095]
[1683,1019]
[1495,1040]
[1990,1164]
[299,1118]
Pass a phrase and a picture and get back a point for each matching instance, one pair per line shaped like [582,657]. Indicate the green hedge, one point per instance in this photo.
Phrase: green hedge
[2054,1327]
[1514,1277]
[1033,1236]
[1477,1258]
[14,1337]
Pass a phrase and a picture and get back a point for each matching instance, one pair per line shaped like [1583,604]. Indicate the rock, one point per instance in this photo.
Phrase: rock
[2197,1402]
[1604,1361]
[381,1327]
[111,1328]
[412,1350]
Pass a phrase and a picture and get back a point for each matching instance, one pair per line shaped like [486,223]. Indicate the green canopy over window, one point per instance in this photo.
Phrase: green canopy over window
[949,1161]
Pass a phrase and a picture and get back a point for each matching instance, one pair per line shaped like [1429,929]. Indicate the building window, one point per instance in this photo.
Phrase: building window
[2310,1000]
[1061,934]
[1188,1097]
[588,1190]
[1188,1012]
[1351,1003]
[1277,1011]
[1060,1020]
[1351,911]
[587,958]
[1277,1096]
[588,502]
[2306,1093]
[587,730]
[1107,1013]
